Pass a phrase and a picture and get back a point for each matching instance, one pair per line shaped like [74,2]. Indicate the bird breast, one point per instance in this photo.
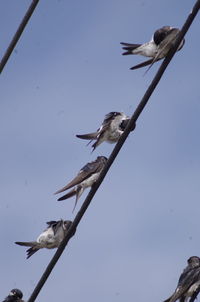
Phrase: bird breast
[148,49]
[90,181]
[50,240]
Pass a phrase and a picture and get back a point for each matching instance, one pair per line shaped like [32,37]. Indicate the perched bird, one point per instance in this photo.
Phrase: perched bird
[86,177]
[50,238]
[157,48]
[15,295]
[189,281]
[110,131]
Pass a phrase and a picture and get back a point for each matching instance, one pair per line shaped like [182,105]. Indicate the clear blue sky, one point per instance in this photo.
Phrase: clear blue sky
[65,74]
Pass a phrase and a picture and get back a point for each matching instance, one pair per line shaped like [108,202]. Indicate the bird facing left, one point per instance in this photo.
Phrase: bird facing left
[86,177]
[50,238]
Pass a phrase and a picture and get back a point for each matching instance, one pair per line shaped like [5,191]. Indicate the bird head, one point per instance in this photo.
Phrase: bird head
[194,261]
[16,293]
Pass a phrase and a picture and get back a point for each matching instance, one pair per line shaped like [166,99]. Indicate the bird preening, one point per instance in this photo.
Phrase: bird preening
[86,177]
[110,130]
[50,238]
[157,48]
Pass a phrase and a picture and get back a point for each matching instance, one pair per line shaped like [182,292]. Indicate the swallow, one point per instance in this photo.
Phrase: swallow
[157,48]
[110,131]
[15,295]
[86,177]
[50,238]
[189,281]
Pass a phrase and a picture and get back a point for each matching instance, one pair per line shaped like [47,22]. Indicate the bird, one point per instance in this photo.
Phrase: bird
[15,295]
[157,48]
[110,130]
[86,177]
[50,238]
[189,281]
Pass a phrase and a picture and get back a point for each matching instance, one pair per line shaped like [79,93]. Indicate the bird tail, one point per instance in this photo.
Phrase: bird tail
[68,195]
[145,63]
[31,251]
[79,192]
[29,243]
[129,48]
[95,145]
[33,247]
[99,140]
[89,136]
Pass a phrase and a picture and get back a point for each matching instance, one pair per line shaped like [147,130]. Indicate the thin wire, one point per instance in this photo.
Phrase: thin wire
[18,34]
[115,152]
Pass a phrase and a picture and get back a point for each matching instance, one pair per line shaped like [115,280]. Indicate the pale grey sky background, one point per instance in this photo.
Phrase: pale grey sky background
[65,74]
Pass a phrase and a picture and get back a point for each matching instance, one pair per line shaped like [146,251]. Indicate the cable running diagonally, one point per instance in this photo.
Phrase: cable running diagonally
[18,34]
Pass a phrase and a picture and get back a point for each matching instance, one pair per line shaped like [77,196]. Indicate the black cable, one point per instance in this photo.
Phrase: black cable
[18,34]
[115,152]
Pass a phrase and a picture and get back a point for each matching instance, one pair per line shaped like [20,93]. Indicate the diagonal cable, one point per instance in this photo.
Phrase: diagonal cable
[18,34]
[115,151]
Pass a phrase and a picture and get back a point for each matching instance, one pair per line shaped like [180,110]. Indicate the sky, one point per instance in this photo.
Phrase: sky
[64,75]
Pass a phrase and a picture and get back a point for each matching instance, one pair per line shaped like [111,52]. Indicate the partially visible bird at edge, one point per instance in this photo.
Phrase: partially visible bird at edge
[189,281]
[15,295]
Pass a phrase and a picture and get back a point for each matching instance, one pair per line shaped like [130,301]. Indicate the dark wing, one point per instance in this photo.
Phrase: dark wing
[31,251]
[187,278]
[85,172]
[145,63]
[91,168]
[51,223]
[27,243]
[107,121]
[55,225]
[90,136]
[7,299]
[110,116]
[82,175]
[68,195]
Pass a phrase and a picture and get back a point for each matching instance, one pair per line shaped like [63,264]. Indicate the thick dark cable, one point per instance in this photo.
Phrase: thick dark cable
[115,152]
[18,34]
